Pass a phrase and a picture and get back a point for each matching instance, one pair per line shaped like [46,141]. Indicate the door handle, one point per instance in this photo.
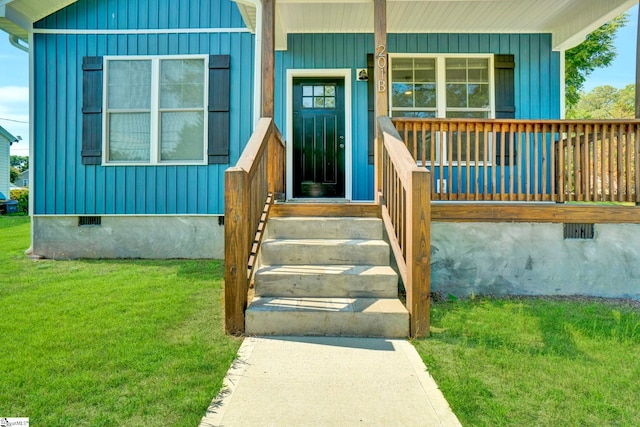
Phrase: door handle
[341,145]
[341,138]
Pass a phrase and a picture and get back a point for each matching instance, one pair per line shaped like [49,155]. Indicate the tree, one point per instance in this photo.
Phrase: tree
[14,174]
[605,102]
[21,163]
[596,51]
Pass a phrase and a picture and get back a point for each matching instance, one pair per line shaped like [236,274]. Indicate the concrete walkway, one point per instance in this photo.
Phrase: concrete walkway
[326,381]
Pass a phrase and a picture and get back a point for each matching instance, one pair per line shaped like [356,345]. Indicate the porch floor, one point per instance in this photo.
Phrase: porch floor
[329,381]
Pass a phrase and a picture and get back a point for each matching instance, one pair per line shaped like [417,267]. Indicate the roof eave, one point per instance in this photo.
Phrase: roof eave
[14,23]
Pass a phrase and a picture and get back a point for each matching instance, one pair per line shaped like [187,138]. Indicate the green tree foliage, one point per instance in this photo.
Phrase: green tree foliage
[596,51]
[14,174]
[605,102]
[21,163]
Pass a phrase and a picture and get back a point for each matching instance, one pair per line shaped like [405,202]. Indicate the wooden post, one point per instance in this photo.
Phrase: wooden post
[419,252]
[268,57]
[381,82]
[236,249]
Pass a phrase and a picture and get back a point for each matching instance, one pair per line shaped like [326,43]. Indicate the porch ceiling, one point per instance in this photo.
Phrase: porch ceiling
[569,21]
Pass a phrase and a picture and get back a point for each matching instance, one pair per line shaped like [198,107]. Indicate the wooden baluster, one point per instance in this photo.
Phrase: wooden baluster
[562,167]
[544,195]
[636,163]
[443,153]
[485,160]
[521,161]
[603,162]
[452,129]
[552,161]
[423,154]
[570,164]
[596,162]
[436,136]
[414,132]
[586,160]
[496,130]
[459,167]
[476,159]
[628,152]
[536,161]
[620,163]
[611,176]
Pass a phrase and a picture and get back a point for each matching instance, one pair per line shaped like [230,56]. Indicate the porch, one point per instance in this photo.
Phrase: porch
[445,171]
[571,172]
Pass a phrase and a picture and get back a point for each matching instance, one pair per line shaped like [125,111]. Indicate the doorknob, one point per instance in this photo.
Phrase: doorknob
[341,145]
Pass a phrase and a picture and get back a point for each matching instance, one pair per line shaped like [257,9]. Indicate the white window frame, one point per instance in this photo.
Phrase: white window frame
[155,111]
[441,100]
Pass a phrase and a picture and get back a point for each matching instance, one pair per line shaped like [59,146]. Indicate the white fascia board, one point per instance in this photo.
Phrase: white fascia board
[564,40]
[13,22]
[247,10]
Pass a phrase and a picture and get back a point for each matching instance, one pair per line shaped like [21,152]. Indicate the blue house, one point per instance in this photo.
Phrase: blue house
[139,106]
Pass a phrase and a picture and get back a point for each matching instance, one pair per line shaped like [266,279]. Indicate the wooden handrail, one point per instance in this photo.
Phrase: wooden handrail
[527,160]
[249,192]
[404,196]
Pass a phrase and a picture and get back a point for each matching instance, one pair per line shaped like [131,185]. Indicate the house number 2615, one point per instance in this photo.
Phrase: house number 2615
[381,61]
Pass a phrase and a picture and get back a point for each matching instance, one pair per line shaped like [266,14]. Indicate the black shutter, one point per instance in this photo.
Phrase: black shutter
[92,110]
[219,84]
[504,66]
[372,104]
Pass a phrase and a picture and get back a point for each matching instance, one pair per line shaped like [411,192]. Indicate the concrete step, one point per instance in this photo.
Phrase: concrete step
[354,281]
[354,317]
[324,252]
[324,228]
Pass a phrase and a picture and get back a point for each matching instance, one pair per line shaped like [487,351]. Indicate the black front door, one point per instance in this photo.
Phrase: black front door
[318,137]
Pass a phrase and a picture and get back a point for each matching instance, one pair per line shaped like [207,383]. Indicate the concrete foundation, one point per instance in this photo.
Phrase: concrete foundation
[534,259]
[153,237]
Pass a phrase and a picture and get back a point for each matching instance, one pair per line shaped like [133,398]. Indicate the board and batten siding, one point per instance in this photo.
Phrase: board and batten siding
[63,186]
[537,75]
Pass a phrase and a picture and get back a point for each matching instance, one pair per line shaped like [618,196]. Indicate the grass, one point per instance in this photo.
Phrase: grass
[108,343]
[536,362]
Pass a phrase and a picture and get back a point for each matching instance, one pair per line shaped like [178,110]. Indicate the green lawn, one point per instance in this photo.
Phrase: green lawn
[108,343]
[537,362]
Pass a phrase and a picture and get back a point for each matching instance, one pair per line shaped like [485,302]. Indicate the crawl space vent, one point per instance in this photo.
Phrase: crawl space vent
[578,231]
[89,220]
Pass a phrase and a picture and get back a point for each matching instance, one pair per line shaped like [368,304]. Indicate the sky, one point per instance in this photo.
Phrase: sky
[14,80]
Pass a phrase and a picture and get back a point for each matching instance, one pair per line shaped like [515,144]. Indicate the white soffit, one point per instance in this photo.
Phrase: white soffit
[569,21]
[17,16]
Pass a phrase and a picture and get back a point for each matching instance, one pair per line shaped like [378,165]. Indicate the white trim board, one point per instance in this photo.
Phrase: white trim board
[147,31]
[346,74]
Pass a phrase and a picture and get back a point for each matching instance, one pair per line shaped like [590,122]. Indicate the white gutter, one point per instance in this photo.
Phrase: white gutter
[15,41]
[257,71]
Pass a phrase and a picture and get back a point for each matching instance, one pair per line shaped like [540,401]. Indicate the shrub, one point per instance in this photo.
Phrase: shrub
[22,196]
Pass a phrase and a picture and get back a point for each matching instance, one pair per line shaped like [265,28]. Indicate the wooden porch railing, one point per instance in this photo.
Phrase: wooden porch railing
[527,160]
[404,196]
[250,187]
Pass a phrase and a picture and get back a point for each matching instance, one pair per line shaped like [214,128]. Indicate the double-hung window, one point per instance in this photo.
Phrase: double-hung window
[451,86]
[155,110]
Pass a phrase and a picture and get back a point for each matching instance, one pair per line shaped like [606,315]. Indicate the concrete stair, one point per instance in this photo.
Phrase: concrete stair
[325,276]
